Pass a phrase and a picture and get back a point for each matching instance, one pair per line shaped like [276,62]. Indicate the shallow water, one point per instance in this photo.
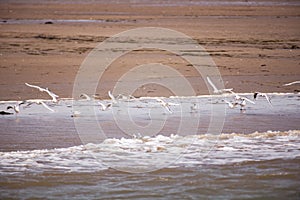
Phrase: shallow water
[239,166]
[48,159]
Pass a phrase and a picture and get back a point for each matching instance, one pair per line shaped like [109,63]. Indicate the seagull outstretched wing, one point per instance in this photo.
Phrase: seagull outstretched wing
[291,83]
[112,97]
[46,106]
[212,85]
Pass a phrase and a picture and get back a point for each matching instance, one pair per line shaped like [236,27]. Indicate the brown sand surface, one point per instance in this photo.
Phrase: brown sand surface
[255,47]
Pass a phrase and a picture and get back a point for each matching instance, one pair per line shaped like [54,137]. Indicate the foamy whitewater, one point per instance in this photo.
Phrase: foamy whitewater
[150,153]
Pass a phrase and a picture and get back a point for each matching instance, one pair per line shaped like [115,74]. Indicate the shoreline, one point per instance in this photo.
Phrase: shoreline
[37,128]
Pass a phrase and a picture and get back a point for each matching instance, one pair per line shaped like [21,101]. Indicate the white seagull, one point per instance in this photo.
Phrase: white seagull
[292,83]
[16,107]
[194,108]
[85,96]
[104,107]
[39,102]
[240,98]
[241,103]
[256,94]
[164,104]
[231,105]
[54,96]
[112,97]
[125,98]
[216,90]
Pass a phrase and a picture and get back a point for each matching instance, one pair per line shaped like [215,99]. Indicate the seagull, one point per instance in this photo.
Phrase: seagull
[16,107]
[54,96]
[75,114]
[256,94]
[231,105]
[112,97]
[216,90]
[240,98]
[39,102]
[85,96]
[104,107]
[194,108]
[292,83]
[164,104]
[124,97]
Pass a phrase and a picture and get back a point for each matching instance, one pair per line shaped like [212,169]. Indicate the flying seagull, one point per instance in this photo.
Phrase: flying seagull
[216,90]
[112,97]
[16,107]
[39,102]
[104,107]
[54,96]
[256,94]
[166,105]
[242,103]
[124,97]
[231,105]
[240,98]
[85,96]
[291,83]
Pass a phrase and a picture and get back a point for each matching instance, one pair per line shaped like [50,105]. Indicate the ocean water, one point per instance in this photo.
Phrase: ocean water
[243,161]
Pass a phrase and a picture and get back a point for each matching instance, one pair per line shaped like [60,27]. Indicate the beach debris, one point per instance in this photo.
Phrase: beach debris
[215,89]
[51,94]
[48,22]
[5,113]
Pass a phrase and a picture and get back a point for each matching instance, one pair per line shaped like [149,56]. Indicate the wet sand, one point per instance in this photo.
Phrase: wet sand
[255,47]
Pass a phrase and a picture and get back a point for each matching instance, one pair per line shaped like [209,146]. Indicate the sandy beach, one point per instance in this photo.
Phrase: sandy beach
[255,47]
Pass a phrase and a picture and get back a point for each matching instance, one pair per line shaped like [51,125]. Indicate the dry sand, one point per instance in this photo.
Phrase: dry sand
[255,47]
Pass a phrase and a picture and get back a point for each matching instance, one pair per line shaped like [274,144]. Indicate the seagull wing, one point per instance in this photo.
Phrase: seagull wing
[226,90]
[229,104]
[52,94]
[237,97]
[36,87]
[244,98]
[45,105]
[291,83]
[112,97]
[103,107]
[267,98]
[87,97]
[212,85]
[168,108]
